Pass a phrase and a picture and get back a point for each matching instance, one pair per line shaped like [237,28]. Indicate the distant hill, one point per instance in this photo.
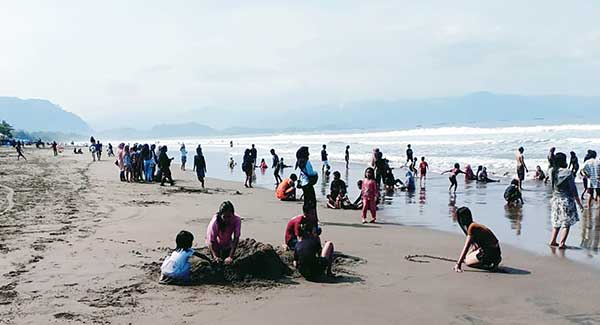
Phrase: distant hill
[40,115]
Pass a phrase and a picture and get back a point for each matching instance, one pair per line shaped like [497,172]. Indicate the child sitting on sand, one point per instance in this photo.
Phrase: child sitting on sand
[175,269]
[338,191]
[512,194]
[481,249]
[310,259]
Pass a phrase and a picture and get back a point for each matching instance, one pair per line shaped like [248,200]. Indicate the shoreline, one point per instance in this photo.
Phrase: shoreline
[95,269]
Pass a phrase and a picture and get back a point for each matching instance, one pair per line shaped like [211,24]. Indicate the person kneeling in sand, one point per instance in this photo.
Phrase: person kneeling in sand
[512,194]
[286,190]
[292,229]
[176,268]
[310,259]
[481,249]
[223,233]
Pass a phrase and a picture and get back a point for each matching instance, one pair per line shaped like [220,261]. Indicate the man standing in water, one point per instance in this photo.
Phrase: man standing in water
[276,167]
[253,154]
[324,158]
[347,156]
[521,167]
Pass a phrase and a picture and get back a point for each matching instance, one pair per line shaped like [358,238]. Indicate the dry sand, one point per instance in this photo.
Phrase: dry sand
[78,245]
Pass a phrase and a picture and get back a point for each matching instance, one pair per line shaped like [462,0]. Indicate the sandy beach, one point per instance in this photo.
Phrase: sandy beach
[78,245]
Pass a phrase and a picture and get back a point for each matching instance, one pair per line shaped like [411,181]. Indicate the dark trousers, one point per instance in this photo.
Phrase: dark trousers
[166,176]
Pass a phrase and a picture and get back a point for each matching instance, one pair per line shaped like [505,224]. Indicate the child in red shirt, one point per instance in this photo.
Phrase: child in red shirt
[369,195]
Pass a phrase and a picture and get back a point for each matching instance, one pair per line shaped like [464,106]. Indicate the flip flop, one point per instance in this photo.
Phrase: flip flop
[373,221]
[364,222]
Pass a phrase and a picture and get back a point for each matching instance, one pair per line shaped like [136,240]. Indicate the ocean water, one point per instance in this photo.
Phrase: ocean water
[494,148]
[431,205]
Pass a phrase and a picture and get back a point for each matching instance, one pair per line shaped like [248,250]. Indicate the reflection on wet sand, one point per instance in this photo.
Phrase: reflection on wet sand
[514,213]
[590,231]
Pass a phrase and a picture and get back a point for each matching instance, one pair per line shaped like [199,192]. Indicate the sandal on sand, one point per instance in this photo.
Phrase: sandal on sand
[364,221]
[373,221]
[553,245]
[562,247]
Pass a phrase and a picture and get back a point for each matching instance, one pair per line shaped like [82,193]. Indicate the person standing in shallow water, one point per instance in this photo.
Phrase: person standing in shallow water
[276,167]
[521,167]
[183,156]
[409,154]
[564,196]
[347,156]
[200,165]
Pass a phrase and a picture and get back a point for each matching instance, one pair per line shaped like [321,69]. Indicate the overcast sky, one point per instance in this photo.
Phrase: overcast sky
[101,58]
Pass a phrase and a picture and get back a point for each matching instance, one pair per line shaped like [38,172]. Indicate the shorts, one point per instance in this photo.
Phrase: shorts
[490,257]
[591,191]
[423,172]
[521,173]
[326,163]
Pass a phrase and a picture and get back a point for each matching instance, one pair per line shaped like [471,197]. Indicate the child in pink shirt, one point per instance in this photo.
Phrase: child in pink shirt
[369,195]
[223,233]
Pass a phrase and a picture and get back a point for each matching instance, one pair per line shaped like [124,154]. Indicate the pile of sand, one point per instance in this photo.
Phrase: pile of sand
[252,260]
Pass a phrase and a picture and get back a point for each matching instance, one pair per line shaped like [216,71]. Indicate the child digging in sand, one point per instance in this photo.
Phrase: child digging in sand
[175,269]
[312,260]
[512,194]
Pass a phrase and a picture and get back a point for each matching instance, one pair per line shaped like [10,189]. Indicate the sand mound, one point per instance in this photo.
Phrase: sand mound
[252,260]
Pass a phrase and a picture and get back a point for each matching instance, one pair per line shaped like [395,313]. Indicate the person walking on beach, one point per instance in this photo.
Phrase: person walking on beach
[99,150]
[481,249]
[276,167]
[347,156]
[248,167]
[308,177]
[19,149]
[184,153]
[324,158]
[591,171]
[200,165]
[521,167]
[574,164]
[223,234]
[409,154]
[369,195]
[110,152]
[583,176]
[55,148]
[164,163]
[453,173]
[423,168]
[564,196]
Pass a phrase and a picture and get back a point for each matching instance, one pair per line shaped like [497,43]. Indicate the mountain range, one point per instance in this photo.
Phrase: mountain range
[481,109]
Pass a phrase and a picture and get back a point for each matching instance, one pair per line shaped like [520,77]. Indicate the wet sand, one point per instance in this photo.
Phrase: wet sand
[78,243]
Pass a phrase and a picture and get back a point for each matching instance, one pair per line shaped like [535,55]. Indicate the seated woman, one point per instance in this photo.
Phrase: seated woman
[539,174]
[512,194]
[286,190]
[338,192]
[483,177]
[223,233]
[469,175]
[310,259]
[390,181]
[481,249]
